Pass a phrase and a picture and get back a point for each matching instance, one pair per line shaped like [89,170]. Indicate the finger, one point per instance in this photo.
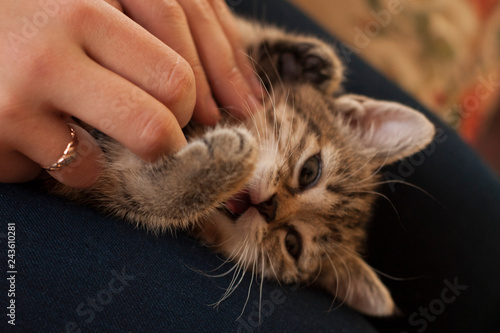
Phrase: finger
[17,168]
[216,53]
[230,27]
[116,107]
[125,48]
[166,20]
[44,140]
[85,169]
[116,4]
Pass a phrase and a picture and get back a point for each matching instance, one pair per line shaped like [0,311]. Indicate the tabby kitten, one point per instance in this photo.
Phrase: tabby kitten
[286,192]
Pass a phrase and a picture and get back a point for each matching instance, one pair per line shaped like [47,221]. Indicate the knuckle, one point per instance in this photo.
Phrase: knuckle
[41,64]
[80,11]
[170,11]
[203,10]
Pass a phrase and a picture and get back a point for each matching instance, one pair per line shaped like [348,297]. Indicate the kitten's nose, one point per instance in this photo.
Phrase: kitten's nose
[268,208]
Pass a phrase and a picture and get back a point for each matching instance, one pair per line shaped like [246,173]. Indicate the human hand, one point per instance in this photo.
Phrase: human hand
[206,35]
[66,59]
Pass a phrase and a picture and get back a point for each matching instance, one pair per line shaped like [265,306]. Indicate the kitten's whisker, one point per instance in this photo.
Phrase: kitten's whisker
[398,278]
[270,93]
[349,290]
[229,289]
[336,279]
[374,174]
[213,275]
[276,134]
[397,181]
[254,69]
[283,167]
[219,245]
[234,285]
[234,254]
[358,170]
[278,140]
[229,113]
[275,70]
[234,278]
[344,248]
[226,261]
[272,269]
[383,196]
[289,137]
[261,280]
[248,108]
[249,286]
[318,273]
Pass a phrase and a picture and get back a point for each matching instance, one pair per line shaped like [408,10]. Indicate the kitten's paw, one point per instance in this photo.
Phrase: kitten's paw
[201,176]
[303,60]
[229,145]
[233,153]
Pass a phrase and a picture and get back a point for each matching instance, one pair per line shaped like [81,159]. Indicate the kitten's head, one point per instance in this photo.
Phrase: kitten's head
[301,217]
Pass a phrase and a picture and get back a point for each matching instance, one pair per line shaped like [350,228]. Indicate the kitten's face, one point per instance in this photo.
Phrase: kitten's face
[301,201]
[301,217]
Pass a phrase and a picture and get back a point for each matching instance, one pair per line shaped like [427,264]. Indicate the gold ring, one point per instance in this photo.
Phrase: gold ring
[68,155]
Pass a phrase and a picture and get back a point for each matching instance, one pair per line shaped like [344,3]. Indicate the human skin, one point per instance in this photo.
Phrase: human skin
[135,70]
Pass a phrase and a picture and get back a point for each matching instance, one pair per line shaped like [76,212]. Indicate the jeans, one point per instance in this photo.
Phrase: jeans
[435,243]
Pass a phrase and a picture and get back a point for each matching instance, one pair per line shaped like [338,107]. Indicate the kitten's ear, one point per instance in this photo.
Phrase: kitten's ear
[355,283]
[387,131]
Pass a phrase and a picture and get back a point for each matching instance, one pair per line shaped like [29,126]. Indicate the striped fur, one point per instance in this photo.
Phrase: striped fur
[288,231]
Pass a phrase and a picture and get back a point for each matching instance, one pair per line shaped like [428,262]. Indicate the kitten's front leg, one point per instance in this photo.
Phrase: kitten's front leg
[197,180]
[282,57]
[176,191]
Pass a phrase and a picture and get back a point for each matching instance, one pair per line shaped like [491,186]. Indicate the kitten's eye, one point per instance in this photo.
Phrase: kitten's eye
[293,243]
[310,173]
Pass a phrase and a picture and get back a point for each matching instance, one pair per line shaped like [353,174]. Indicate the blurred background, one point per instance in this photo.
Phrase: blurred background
[446,53]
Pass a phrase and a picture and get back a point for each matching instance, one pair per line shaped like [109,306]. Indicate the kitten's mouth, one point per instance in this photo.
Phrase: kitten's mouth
[238,204]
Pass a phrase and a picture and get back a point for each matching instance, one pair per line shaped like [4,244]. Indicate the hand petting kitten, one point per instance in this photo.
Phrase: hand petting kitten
[286,193]
[138,78]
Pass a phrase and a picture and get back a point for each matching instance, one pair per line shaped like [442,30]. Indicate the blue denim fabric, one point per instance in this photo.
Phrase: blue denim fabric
[77,269]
